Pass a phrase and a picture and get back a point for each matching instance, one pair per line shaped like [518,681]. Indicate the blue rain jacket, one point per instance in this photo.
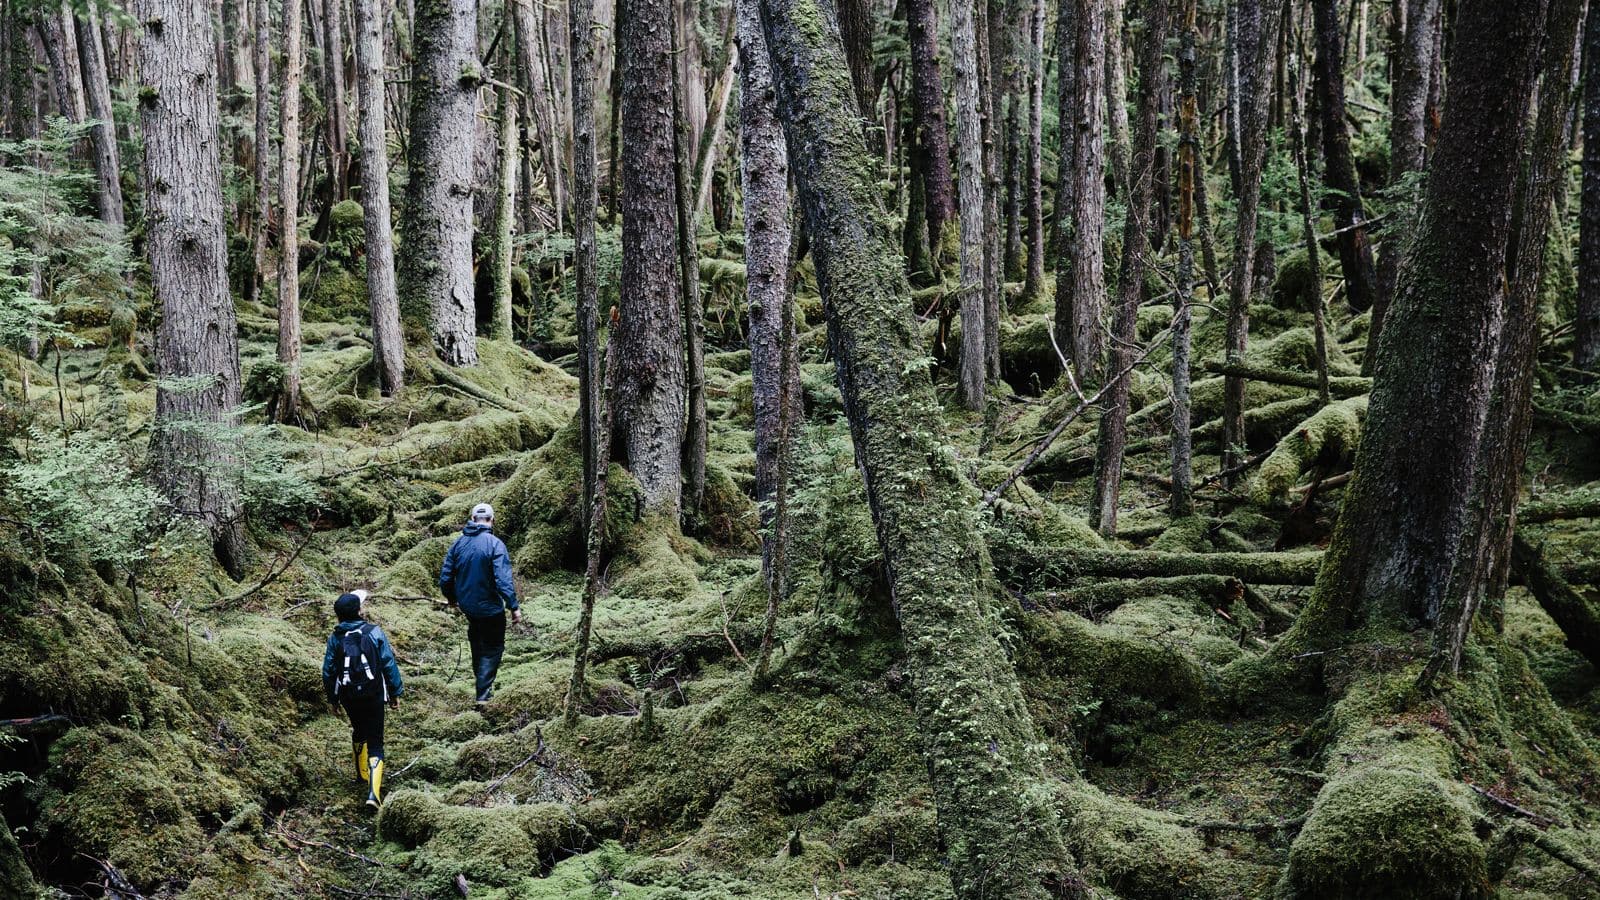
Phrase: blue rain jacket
[476,575]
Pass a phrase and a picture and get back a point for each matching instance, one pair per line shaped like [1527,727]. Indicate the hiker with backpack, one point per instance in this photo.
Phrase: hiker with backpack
[476,579]
[360,675]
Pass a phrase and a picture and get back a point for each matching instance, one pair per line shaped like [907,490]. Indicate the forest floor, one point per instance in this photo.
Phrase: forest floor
[199,759]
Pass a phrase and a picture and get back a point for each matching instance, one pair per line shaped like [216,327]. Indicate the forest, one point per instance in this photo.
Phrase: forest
[908,449]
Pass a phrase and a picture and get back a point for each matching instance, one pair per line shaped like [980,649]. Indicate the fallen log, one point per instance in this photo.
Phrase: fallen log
[1578,618]
[1579,505]
[1581,423]
[1341,386]
[1039,563]
[1101,597]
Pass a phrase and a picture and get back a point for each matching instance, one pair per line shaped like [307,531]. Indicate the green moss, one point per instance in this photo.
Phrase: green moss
[15,878]
[655,562]
[1327,440]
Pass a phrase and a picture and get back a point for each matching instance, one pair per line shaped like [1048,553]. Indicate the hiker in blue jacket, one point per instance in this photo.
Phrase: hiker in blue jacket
[360,675]
[476,578]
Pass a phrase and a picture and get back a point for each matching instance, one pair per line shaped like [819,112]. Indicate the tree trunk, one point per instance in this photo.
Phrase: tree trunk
[1190,170]
[1255,85]
[706,163]
[764,170]
[504,215]
[338,111]
[103,134]
[971,388]
[856,27]
[1395,541]
[1113,437]
[436,269]
[927,107]
[197,339]
[388,344]
[529,56]
[585,202]
[1116,85]
[287,406]
[648,402]
[1413,67]
[1302,164]
[1586,338]
[61,52]
[1081,197]
[1355,251]
[1033,187]
[263,147]
[988,83]
[1482,558]
[999,829]
[694,327]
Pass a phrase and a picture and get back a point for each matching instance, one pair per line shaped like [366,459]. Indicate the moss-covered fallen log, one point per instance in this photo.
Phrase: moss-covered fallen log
[1328,438]
[1579,505]
[1103,596]
[1339,386]
[1555,416]
[1043,564]
[1578,618]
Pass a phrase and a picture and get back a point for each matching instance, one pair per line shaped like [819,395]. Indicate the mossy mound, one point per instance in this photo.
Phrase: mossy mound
[497,845]
[1327,440]
[538,509]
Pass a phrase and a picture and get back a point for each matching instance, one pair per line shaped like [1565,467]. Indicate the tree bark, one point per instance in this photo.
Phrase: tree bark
[1181,500]
[286,408]
[971,388]
[988,83]
[1081,197]
[764,171]
[1392,550]
[1001,835]
[338,112]
[585,204]
[1255,85]
[61,53]
[688,270]
[1113,434]
[103,134]
[648,402]
[1033,180]
[197,339]
[505,215]
[1116,85]
[435,272]
[1481,562]
[1355,251]
[1409,90]
[263,147]
[388,343]
[1586,337]
[856,27]
[1302,163]
[927,107]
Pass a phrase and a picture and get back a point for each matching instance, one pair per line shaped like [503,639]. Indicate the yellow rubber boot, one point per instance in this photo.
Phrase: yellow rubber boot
[376,781]
[360,755]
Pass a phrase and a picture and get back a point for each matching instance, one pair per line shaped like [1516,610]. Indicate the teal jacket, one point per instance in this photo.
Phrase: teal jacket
[391,669]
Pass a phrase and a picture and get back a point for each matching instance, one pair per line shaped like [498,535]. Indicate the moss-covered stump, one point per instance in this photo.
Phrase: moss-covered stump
[537,508]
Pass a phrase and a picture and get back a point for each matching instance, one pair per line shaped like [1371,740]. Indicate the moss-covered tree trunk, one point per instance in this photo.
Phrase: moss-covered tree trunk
[1081,187]
[1586,337]
[1033,170]
[1113,436]
[764,172]
[197,342]
[1410,78]
[388,344]
[971,381]
[648,404]
[260,48]
[286,407]
[1190,171]
[1355,251]
[436,267]
[505,213]
[585,207]
[1257,45]
[927,109]
[1116,86]
[989,783]
[1395,541]
[694,327]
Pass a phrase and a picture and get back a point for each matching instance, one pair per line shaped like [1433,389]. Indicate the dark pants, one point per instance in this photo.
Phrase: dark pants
[487,636]
[366,723]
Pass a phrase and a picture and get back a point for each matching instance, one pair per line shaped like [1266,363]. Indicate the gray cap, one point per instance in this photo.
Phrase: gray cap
[483,512]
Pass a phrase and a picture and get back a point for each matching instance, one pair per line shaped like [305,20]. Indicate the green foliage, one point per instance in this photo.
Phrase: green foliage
[83,495]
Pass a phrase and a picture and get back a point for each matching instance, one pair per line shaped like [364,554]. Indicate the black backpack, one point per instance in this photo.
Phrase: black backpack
[356,674]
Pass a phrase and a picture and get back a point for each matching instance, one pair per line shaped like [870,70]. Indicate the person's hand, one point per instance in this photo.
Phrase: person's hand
[516,617]
[394,702]
[337,709]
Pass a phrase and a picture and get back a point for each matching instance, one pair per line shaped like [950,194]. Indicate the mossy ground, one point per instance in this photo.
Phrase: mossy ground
[199,761]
